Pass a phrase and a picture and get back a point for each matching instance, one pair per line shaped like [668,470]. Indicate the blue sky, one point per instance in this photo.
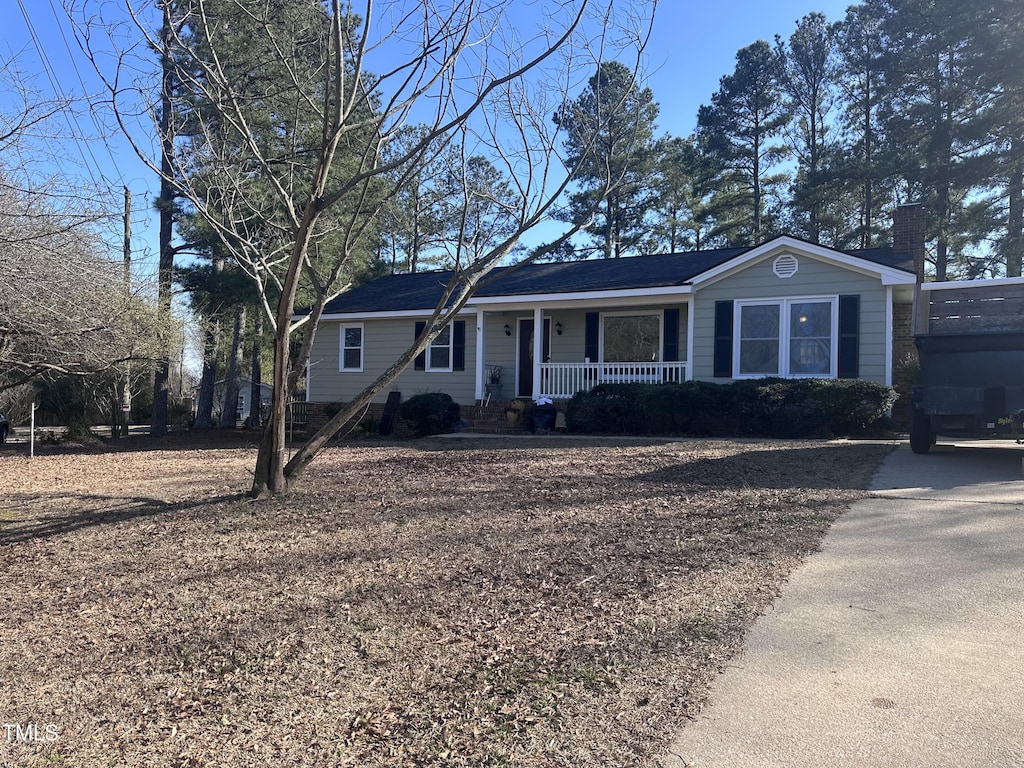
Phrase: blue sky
[693,44]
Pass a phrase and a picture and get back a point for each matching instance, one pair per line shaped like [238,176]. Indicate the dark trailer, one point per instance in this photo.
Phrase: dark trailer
[970,341]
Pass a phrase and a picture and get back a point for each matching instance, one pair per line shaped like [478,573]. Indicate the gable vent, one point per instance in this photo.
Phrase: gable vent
[785,265]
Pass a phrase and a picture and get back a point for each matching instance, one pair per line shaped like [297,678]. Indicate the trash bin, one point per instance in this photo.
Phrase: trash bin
[544,414]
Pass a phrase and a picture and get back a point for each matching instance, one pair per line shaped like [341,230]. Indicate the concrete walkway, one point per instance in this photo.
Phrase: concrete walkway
[900,644]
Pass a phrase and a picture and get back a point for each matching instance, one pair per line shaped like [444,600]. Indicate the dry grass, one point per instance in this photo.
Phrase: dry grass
[437,603]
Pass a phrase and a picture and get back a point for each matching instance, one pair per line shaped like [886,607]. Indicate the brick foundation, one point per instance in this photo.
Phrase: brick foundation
[318,414]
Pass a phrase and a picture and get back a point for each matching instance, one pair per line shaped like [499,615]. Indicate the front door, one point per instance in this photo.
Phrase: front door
[524,381]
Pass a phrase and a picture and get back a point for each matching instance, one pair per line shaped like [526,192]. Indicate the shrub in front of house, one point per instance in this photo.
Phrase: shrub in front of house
[768,407]
[856,407]
[431,413]
[609,408]
[688,408]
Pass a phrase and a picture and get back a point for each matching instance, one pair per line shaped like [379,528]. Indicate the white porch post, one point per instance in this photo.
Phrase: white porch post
[689,337]
[480,351]
[538,349]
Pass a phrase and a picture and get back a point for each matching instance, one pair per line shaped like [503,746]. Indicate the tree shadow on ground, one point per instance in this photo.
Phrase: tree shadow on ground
[776,465]
[189,440]
[48,526]
[839,467]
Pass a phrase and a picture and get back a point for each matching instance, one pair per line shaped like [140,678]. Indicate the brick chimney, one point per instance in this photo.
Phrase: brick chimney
[908,234]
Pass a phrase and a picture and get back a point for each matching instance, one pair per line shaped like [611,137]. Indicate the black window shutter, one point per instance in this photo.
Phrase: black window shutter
[421,359]
[459,345]
[593,330]
[849,337]
[723,340]
[670,347]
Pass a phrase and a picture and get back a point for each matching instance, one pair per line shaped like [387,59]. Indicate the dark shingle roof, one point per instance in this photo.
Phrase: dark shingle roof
[422,290]
[607,274]
[887,257]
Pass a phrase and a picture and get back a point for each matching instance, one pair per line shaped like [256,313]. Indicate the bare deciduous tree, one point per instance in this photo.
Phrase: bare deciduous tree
[291,176]
[64,308]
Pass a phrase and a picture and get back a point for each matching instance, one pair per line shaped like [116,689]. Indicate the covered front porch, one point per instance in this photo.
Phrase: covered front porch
[580,347]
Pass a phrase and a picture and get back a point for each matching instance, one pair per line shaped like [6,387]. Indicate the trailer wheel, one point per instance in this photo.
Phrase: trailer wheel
[920,432]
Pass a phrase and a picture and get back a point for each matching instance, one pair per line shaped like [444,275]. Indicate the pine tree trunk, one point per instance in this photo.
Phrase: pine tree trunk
[232,384]
[755,235]
[869,202]
[204,402]
[256,391]
[942,242]
[1015,217]
[608,236]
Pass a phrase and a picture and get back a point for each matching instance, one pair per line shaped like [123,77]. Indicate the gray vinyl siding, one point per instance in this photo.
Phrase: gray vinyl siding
[385,339]
[383,342]
[813,278]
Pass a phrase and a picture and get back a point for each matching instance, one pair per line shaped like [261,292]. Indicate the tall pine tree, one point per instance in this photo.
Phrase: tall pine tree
[682,218]
[809,76]
[741,128]
[861,165]
[999,58]
[611,127]
[938,119]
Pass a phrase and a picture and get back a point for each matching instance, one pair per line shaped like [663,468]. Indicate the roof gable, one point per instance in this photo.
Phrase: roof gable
[875,262]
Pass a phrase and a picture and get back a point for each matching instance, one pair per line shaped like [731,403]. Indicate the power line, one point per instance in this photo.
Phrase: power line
[85,89]
[95,170]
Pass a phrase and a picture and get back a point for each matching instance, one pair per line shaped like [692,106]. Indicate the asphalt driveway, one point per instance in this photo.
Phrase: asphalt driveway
[900,644]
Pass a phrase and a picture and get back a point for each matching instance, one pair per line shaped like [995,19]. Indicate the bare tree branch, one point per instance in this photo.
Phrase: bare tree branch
[480,77]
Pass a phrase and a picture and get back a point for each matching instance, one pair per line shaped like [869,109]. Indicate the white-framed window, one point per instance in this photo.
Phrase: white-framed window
[439,353]
[792,338]
[631,337]
[351,357]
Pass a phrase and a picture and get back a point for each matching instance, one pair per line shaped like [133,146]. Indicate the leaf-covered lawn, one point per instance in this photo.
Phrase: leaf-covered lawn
[432,603]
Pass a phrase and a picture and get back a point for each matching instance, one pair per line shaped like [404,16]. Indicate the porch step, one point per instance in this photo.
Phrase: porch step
[492,419]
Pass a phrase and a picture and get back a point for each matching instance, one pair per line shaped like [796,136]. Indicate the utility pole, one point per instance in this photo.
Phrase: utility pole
[123,392]
[127,240]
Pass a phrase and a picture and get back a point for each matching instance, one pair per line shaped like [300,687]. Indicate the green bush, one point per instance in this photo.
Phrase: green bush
[769,407]
[856,407]
[610,408]
[688,408]
[431,413]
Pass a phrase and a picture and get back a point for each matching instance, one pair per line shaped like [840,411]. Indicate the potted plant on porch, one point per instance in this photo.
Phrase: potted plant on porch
[514,412]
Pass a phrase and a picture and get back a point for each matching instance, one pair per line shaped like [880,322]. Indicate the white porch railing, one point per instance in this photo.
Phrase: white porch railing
[563,380]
